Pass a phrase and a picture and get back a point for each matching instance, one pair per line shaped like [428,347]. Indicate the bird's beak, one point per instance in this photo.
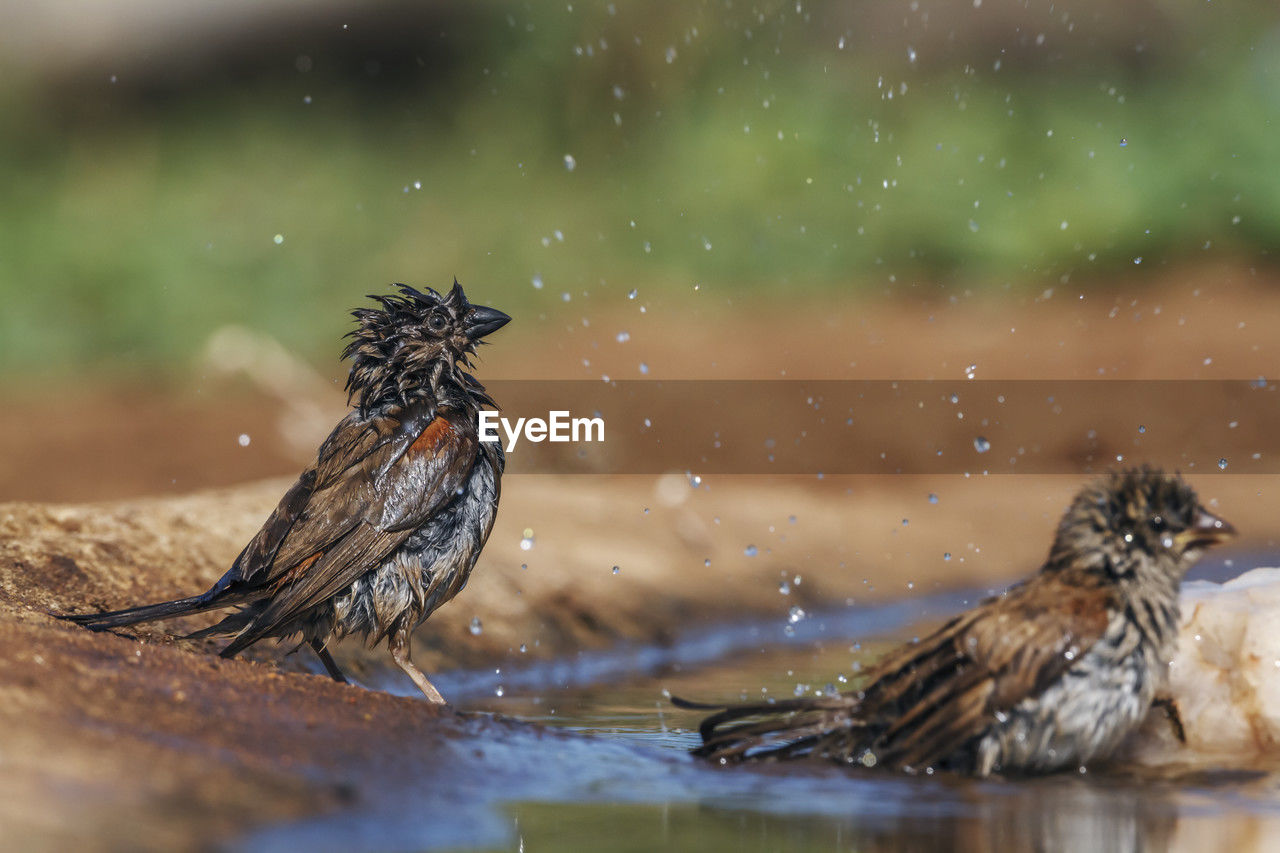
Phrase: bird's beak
[1207,529]
[482,321]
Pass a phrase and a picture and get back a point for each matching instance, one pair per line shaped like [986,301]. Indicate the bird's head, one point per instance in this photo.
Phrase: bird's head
[413,343]
[1139,523]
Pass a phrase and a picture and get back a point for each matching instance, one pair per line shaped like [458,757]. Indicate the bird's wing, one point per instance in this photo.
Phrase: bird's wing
[353,440]
[928,698]
[368,498]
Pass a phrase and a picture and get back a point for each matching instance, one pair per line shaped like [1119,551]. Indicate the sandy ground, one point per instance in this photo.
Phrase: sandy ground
[161,744]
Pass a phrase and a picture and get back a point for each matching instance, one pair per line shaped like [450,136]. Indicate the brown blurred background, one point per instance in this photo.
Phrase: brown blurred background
[196,196]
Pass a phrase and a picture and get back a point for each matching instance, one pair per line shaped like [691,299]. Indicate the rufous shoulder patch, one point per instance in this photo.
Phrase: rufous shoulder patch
[437,433]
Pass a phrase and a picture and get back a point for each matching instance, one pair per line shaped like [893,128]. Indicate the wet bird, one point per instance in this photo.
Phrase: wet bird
[1051,674]
[388,522]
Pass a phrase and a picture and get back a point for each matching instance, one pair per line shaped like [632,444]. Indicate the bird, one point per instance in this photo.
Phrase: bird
[388,522]
[1050,675]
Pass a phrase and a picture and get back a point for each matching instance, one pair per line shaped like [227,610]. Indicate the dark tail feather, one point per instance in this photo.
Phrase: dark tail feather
[240,643]
[783,729]
[232,624]
[148,613]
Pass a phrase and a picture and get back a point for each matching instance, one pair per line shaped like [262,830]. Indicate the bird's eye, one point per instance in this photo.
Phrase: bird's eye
[437,322]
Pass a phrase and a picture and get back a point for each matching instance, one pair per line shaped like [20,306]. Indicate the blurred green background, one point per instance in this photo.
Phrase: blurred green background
[170,168]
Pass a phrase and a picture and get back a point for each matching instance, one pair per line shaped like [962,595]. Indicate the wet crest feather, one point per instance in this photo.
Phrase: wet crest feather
[395,360]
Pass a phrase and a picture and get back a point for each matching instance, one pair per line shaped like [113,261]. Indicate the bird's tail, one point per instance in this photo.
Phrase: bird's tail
[791,728]
[149,613]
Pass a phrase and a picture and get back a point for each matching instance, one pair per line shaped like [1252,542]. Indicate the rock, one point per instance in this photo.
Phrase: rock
[1225,679]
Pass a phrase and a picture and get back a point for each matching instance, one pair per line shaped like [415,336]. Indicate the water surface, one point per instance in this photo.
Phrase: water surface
[608,767]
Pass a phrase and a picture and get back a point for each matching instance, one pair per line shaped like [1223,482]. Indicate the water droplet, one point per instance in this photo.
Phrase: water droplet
[751,550]
[707,561]
[475,627]
[784,588]
[623,337]
[644,368]
[946,555]
[570,163]
[1123,142]
[244,439]
[795,614]
[524,649]
[933,499]
[616,570]
[526,542]
[278,239]
[695,480]
[537,282]
[631,294]
[1222,464]
[981,445]
[1141,429]
[905,522]
[498,691]
[911,54]
[973,226]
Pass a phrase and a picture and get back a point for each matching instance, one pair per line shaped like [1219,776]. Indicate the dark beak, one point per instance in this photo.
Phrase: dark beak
[482,321]
[1206,530]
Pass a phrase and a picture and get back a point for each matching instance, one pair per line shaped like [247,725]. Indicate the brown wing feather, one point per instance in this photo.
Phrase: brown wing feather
[352,440]
[928,699]
[360,520]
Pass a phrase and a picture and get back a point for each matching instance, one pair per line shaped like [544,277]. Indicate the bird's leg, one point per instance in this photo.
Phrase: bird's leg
[330,665]
[398,642]
[1170,708]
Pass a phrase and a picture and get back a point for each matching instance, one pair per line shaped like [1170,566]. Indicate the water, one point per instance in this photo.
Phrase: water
[608,767]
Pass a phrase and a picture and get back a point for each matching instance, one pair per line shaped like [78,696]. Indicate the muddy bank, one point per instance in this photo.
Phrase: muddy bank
[143,740]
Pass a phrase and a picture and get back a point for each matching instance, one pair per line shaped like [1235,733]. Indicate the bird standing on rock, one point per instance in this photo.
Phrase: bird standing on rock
[1050,675]
[387,524]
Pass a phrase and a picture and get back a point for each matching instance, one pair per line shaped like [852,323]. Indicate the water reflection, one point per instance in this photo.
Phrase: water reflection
[611,770]
[1069,815]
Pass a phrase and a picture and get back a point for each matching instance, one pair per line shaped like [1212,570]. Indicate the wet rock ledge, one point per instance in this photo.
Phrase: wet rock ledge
[138,740]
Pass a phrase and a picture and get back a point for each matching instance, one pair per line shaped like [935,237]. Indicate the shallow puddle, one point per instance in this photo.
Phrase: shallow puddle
[611,771]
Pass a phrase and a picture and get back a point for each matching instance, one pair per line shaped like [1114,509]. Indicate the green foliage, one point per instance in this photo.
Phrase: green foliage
[750,156]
